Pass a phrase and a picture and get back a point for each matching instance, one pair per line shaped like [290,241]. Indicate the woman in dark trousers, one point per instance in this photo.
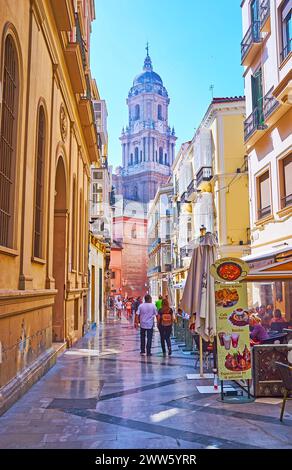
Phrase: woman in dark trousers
[164,323]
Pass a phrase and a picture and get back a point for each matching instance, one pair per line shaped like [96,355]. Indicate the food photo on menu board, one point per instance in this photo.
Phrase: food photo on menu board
[234,356]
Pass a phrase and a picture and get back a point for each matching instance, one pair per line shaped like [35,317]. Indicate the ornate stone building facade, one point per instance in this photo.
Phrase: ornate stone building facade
[148,150]
[148,143]
[48,140]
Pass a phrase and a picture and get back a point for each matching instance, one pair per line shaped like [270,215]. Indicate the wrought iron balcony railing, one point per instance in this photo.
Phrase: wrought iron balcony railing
[270,103]
[252,36]
[156,269]
[264,11]
[154,245]
[167,267]
[204,174]
[264,212]
[255,121]
[287,49]
[80,41]
[183,197]
[185,252]
[191,188]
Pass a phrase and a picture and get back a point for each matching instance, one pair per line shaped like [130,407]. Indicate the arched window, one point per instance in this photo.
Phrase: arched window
[136,155]
[73,226]
[141,155]
[134,231]
[80,232]
[165,158]
[159,112]
[8,141]
[135,192]
[137,112]
[39,184]
[161,155]
[131,159]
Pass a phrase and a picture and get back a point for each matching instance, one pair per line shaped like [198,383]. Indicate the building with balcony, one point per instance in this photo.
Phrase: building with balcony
[100,225]
[268,139]
[184,184]
[48,142]
[209,178]
[222,177]
[159,233]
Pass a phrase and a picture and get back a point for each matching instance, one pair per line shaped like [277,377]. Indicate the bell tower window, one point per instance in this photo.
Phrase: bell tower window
[137,112]
[161,155]
[136,155]
[159,112]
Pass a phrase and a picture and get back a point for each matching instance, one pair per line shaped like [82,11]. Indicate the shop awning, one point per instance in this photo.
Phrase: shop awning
[279,271]
[273,253]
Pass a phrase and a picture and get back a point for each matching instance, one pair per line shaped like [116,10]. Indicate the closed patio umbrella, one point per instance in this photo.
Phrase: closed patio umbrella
[199,292]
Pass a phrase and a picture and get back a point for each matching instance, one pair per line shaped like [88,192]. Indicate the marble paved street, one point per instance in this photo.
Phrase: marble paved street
[103,395]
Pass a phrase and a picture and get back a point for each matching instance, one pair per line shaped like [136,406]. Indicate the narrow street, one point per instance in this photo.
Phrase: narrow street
[103,395]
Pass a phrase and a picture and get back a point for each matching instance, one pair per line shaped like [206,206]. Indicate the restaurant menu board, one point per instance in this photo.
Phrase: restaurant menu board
[233,344]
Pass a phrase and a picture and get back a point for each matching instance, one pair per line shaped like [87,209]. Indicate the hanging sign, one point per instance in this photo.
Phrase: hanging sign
[232,321]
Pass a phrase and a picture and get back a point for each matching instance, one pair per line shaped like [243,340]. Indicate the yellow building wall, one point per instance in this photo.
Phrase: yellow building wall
[27,286]
[237,196]
[231,198]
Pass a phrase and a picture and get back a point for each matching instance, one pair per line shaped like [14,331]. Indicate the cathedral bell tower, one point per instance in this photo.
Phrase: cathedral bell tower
[148,143]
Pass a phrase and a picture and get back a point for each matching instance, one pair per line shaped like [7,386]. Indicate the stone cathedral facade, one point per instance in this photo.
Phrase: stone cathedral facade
[148,151]
[148,143]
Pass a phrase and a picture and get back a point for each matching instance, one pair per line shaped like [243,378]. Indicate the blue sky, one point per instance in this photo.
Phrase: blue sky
[193,43]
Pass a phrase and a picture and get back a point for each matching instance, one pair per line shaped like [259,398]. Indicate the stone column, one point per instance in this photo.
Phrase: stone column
[128,154]
[144,149]
[124,155]
[148,147]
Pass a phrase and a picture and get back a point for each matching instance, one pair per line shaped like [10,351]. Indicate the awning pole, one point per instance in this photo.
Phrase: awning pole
[201,357]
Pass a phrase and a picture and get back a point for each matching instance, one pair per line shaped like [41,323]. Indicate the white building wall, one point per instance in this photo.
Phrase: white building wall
[96,258]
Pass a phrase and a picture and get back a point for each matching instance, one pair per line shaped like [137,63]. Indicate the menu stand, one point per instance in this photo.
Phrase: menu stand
[233,396]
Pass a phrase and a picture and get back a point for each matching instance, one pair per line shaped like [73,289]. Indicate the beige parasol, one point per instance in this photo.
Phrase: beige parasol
[199,292]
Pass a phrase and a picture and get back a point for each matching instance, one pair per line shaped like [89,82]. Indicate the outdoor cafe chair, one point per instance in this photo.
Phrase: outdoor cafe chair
[207,350]
[286,375]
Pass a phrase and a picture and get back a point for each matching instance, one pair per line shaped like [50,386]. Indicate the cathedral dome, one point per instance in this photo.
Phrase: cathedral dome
[148,76]
[148,80]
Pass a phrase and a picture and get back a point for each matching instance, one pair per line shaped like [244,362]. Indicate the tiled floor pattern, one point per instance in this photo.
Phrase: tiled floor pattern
[102,394]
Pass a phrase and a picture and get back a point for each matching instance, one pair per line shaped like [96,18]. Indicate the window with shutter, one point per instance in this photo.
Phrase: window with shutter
[39,184]
[264,196]
[286,181]
[8,142]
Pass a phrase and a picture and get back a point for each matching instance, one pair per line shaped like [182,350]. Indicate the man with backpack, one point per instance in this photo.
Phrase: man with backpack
[164,323]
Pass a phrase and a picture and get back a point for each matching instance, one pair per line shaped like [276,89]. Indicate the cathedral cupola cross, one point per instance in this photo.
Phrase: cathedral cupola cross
[147,62]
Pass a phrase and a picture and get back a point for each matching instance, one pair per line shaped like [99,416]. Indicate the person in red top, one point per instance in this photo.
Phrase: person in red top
[277,318]
[129,308]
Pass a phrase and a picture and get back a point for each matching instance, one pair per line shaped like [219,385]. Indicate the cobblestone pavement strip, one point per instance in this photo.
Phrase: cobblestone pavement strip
[102,394]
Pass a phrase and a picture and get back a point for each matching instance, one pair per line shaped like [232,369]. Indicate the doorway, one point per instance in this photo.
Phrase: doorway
[59,252]
[92,294]
[100,294]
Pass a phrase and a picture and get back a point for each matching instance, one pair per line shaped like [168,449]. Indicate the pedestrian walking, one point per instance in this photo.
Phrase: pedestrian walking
[119,307]
[164,323]
[145,316]
[129,308]
[136,304]
[158,303]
